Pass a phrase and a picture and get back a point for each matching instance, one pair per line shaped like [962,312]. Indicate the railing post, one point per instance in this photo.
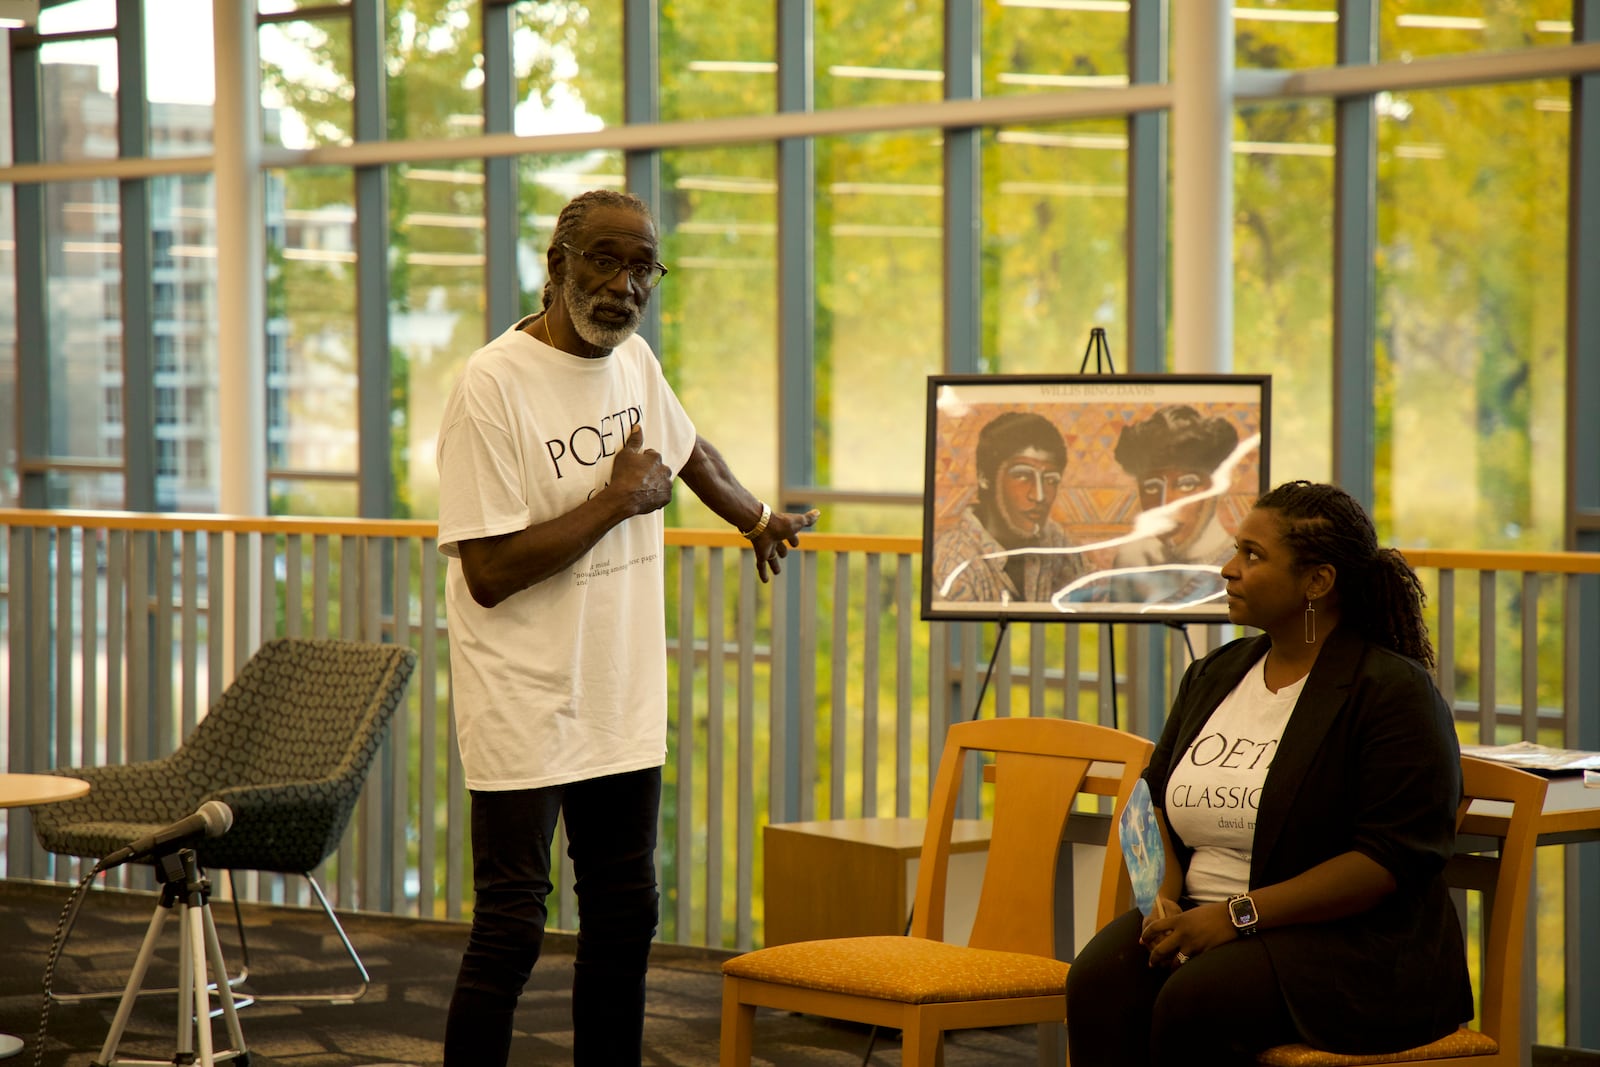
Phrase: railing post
[1582,923]
[784,799]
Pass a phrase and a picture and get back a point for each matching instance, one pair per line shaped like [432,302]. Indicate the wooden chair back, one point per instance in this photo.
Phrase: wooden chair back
[1040,767]
[1500,998]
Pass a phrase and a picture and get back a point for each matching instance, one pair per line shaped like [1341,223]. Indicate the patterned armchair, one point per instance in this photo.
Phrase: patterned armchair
[287,747]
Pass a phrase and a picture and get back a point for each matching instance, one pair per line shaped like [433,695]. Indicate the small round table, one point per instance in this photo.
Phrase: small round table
[25,790]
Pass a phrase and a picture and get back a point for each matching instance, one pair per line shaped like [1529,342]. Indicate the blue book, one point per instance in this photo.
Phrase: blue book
[1141,847]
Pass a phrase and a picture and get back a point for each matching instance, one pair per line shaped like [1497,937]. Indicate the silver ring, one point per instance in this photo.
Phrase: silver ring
[1182,957]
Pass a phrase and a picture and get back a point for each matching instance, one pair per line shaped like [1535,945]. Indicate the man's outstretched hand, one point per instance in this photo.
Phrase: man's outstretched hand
[782,533]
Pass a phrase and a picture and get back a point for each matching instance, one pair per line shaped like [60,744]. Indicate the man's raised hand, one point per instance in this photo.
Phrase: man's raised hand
[638,473]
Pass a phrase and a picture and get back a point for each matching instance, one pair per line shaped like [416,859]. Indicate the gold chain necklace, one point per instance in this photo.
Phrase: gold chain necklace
[544,320]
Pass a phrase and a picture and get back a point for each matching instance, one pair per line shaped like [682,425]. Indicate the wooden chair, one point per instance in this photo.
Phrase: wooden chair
[1007,974]
[1497,1041]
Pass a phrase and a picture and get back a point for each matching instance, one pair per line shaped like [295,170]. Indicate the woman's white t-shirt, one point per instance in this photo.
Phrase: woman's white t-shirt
[1215,789]
[567,679]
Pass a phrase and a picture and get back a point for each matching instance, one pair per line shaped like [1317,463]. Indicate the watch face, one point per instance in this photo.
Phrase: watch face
[1243,911]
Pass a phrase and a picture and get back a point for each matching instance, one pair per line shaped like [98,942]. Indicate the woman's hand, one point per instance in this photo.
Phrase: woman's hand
[1164,907]
[1174,936]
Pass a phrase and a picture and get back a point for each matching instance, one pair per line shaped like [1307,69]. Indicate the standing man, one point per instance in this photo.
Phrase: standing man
[1004,547]
[558,450]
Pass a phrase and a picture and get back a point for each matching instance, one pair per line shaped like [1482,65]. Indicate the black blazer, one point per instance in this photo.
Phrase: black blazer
[1368,762]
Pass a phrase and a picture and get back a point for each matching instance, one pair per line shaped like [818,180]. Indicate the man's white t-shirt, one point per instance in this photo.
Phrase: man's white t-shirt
[1215,789]
[567,679]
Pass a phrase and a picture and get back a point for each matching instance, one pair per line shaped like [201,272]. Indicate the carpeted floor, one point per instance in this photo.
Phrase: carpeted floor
[401,1018]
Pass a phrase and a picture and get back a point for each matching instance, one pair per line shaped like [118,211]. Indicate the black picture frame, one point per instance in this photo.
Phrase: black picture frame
[1158,471]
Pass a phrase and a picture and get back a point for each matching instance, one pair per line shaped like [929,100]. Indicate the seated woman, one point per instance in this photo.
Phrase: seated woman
[1306,785]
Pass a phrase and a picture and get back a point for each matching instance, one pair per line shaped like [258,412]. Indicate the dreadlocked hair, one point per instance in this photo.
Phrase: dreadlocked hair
[576,213]
[1378,591]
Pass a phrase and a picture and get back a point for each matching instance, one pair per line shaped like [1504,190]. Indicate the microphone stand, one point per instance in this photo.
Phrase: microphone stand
[184,886]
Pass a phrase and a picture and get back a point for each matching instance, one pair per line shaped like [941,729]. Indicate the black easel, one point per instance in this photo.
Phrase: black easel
[1101,351]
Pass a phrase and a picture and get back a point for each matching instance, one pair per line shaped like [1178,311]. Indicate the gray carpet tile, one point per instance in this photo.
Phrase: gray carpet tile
[400,1021]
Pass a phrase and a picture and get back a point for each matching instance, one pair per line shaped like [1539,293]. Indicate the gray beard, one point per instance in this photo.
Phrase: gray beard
[580,310]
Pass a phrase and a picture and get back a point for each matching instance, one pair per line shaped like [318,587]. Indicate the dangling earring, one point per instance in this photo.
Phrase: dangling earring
[1311,623]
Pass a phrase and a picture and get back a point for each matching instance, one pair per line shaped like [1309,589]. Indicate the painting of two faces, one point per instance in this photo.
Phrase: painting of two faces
[1089,496]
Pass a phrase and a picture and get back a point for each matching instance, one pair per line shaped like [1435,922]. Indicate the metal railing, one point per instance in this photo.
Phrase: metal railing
[821,695]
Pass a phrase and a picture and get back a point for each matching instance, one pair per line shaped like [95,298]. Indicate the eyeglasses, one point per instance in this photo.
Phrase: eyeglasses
[644,275]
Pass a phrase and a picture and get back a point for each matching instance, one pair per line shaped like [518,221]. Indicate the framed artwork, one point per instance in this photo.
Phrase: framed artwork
[1089,497]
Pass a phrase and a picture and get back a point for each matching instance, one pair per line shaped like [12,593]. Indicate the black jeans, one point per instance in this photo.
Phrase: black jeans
[1220,1008]
[611,835]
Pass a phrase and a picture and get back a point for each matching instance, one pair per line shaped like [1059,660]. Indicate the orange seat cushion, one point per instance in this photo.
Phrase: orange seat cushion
[1463,1042]
[908,970]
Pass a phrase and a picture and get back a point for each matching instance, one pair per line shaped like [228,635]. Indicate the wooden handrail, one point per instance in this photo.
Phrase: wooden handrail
[810,542]
[207,523]
[1439,558]
[1489,560]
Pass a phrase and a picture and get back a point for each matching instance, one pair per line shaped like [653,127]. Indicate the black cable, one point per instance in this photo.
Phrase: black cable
[63,926]
[977,707]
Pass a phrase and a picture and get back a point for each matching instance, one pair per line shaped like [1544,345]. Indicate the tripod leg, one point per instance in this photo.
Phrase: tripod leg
[188,999]
[194,948]
[141,964]
[230,1014]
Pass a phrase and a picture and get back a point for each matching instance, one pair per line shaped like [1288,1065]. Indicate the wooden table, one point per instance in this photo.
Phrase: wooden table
[25,790]
[853,877]
[1571,814]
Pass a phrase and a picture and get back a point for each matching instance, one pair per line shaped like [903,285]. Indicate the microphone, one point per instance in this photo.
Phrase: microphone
[212,820]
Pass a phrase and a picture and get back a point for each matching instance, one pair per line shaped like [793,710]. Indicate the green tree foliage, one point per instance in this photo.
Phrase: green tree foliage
[1054,195]
[1283,246]
[717,59]
[1472,188]
[1473,200]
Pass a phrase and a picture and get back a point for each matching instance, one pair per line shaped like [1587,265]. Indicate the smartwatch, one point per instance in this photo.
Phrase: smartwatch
[1242,912]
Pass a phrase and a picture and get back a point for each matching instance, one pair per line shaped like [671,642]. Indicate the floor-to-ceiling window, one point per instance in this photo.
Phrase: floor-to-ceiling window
[1052,219]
